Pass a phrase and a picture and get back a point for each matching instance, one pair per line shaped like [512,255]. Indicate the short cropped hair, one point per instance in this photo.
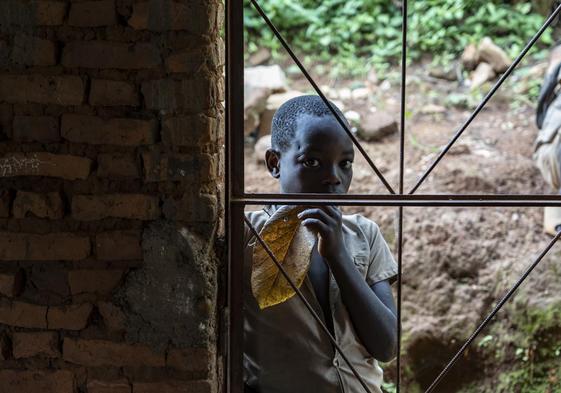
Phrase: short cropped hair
[283,127]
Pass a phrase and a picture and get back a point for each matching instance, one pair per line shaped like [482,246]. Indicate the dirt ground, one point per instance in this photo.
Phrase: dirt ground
[457,262]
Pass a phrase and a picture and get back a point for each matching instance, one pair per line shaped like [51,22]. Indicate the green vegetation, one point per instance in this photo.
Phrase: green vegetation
[361,34]
[524,357]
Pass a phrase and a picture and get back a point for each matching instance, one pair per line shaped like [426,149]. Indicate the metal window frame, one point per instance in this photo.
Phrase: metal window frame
[236,198]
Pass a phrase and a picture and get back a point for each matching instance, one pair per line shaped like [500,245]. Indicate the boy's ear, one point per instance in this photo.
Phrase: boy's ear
[272,159]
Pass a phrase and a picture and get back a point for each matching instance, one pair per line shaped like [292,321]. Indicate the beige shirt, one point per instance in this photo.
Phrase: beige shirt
[285,349]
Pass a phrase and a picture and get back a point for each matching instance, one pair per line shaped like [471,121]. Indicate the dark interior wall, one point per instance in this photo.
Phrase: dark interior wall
[111,122]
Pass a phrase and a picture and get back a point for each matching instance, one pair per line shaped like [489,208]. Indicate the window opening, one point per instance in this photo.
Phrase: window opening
[236,198]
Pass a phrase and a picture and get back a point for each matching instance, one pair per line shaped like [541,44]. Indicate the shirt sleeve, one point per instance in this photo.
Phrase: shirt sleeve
[382,265]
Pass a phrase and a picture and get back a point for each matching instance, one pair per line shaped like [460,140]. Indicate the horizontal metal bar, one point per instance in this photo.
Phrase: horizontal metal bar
[456,200]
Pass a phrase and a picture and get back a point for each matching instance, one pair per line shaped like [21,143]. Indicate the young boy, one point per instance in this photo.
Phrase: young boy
[348,283]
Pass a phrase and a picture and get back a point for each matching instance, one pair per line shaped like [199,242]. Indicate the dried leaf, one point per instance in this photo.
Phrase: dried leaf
[292,245]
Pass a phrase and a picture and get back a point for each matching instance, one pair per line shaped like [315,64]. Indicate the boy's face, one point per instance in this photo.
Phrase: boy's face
[319,159]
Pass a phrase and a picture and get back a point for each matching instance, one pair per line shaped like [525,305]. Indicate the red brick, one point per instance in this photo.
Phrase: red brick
[99,386]
[31,13]
[36,129]
[57,90]
[11,284]
[198,360]
[103,54]
[93,14]
[6,119]
[5,201]
[113,93]
[97,207]
[172,95]
[117,165]
[29,344]
[5,347]
[33,51]
[189,131]
[118,245]
[24,381]
[97,131]
[4,53]
[166,15]
[97,353]
[173,387]
[94,281]
[45,164]
[189,62]
[194,208]
[163,166]
[42,205]
[113,317]
[22,314]
[48,247]
[72,317]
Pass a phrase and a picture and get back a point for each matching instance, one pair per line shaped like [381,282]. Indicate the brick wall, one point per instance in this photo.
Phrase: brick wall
[110,127]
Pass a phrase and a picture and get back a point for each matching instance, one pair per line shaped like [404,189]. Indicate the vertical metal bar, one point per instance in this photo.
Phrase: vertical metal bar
[399,263]
[236,299]
[403,94]
[401,185]
[234,168]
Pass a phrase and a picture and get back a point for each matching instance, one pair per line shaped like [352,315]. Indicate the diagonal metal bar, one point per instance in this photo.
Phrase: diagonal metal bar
[306,303]
[492,314]
[487,98]
[320,93]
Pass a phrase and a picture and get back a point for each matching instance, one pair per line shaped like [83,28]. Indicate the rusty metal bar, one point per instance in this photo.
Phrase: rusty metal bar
[234,178]
[320,93]
[401,185]
[401,200]
[306,303]
[492,314]
[486,99]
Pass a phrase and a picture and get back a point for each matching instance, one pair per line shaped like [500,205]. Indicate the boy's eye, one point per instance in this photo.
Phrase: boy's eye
[347,164]
[311,163]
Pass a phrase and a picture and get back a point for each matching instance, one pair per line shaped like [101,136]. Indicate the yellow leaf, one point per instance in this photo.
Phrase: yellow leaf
[292,245]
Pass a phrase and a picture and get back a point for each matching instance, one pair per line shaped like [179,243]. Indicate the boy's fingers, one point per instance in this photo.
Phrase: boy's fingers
[317,214]
[334,212]
[316,225]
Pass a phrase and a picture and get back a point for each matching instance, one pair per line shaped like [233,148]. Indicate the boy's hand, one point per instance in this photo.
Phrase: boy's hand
[327,221]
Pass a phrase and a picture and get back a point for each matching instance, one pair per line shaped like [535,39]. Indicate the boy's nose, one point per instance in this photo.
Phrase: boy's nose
[331,177]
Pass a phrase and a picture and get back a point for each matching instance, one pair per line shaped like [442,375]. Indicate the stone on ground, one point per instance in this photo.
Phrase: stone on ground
[445,73]
[255,102]
[269,77]
[375,126]
[260,57]
[483,73]
[492,54]
[470,57]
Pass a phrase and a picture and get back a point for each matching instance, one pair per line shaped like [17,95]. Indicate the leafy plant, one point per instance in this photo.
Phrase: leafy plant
[356,35]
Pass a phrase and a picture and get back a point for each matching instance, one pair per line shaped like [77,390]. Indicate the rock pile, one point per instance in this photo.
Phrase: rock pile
[485,61]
